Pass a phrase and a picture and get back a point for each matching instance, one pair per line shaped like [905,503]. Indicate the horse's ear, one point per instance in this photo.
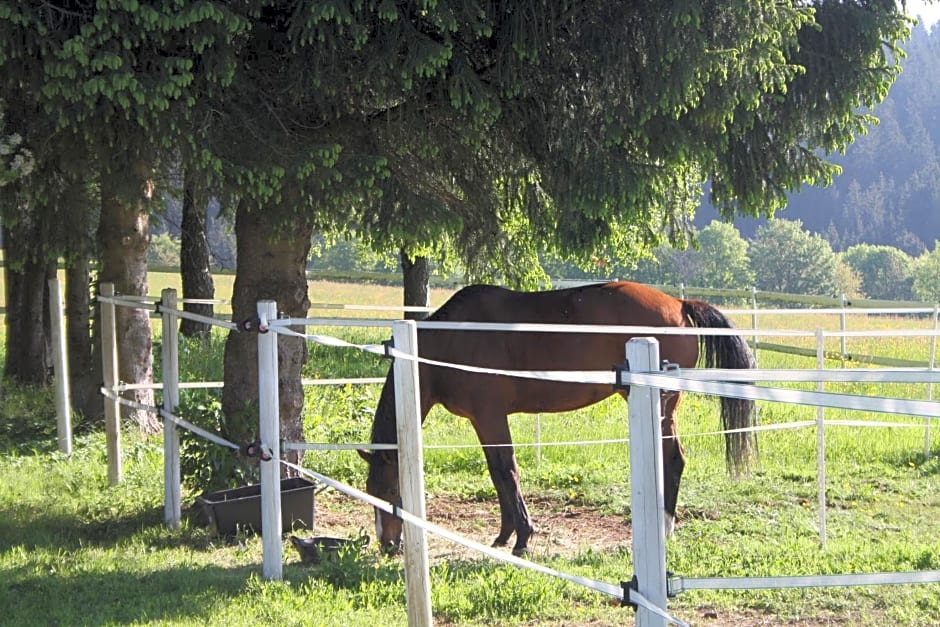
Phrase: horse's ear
[364,454]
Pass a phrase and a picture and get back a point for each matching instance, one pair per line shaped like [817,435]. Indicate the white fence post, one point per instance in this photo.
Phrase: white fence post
[932,366]
[754,321]
[172,508]
[270,431]
[844,325]
[411,473]
[821,438]
[646,482]
[109,365]
[60,362]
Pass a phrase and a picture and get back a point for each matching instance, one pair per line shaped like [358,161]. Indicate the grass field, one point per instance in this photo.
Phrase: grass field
[74,550]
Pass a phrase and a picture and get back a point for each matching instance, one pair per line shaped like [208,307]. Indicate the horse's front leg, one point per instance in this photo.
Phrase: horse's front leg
[514,515]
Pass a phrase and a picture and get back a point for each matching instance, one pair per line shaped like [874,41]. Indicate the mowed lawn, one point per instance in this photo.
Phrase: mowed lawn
[74,550]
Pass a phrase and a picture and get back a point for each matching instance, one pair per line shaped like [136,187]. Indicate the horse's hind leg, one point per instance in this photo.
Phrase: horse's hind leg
[501,461]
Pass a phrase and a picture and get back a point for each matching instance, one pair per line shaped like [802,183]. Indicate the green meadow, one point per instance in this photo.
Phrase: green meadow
[74,550]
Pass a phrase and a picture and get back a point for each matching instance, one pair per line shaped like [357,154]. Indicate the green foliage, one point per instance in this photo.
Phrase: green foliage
[558,268]
[110,67]
[666,266]
[785,258]
[205,466]
[164,251]
[889,189]
[348,254]
[926,272]
[885,271]
[16,160]
[459,128]
[340,413]
[720,260]
[848,282]
[107,92]
[724,257]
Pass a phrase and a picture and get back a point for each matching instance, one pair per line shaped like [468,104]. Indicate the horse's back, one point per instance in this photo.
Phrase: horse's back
[613,303]
[617,304]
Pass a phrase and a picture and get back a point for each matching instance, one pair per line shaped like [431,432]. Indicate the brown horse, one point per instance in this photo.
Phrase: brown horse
[487,399]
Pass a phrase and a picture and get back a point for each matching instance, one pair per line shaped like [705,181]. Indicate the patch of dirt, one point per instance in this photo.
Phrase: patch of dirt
[561,529]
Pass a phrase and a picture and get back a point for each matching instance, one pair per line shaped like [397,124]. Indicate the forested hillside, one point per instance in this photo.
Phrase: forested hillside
[889,190]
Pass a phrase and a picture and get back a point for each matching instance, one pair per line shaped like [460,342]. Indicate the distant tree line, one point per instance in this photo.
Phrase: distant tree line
[782,256]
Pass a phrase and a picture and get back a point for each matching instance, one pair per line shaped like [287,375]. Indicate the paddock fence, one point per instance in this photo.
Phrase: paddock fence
[651,582]
[647,592]
[842,306]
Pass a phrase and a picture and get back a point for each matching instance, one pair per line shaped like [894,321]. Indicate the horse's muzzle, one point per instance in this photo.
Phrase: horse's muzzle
[388,532]
[391,548]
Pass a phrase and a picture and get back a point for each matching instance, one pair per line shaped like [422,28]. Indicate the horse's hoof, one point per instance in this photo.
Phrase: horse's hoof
[521,551]
[500,542]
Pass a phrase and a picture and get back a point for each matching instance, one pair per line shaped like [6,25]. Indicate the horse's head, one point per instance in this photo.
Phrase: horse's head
[382,482]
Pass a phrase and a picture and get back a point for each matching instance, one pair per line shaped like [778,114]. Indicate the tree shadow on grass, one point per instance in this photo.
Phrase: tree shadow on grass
[118,597]
[11,444]
[916,459]
[35,528]
[29,526]
[57,573]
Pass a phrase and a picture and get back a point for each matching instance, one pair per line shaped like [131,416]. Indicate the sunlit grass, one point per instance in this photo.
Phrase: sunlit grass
[74,550]
[879,487]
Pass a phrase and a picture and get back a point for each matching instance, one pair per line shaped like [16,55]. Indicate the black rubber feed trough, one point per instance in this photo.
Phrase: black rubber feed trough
[237,509]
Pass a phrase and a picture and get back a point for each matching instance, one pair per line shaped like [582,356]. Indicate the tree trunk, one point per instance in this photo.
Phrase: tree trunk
[28,357]
[416,276]
[270,266]
[194,260]
[123,239]
[84,369]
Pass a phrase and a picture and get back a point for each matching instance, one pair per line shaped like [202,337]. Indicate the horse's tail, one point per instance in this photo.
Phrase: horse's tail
[727,351]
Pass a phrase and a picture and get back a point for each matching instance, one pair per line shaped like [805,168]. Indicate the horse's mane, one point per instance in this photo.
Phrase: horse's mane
[469,295]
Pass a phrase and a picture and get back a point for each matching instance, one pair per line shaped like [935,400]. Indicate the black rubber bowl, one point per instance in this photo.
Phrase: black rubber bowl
[321,548]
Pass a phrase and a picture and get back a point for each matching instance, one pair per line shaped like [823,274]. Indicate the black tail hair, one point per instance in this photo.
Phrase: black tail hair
[727,351]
